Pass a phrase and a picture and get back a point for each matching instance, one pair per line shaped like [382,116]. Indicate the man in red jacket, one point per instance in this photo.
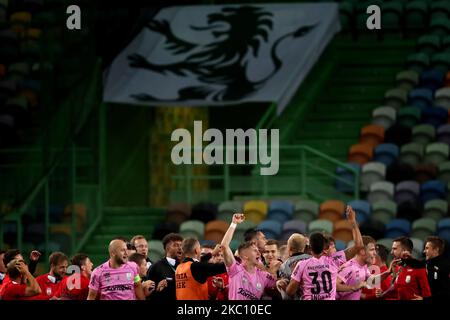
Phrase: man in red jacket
[76,286]
[50,282]
[410,278]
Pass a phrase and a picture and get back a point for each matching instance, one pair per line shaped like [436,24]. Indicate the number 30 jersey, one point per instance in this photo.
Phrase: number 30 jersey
[317,276]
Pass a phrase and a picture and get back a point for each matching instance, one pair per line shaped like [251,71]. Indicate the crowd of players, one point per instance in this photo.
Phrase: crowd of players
[305,268]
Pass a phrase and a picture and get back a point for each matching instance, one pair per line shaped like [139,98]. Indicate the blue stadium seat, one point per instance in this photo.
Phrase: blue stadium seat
[397,228]
[443,134]
[436,116]
[271,228]
[433,189]
[362,208]
[443,224]
[345,183]
[292,226]
[280,210]
[420,97]
[432,79]
[407,191]
[340,245]
[386,153]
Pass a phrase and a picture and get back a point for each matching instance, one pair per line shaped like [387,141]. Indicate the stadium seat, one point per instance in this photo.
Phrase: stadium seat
[435,209]
[255,210]
[445,45]
[444,172]
[418,62]
[391,15]
[432,79]
[372,135]
[411,153]
[423,134]
[384,117]
[442,97]
[431,190]
[395,98]
[372,172]
[437,153]
[215,230]
[192,228]
[407,191]
[386,153]
[443,134]
[443,224]
[425,172]
[242,228]
[407,79]
[362,209]
[386,242]
[410,210]
[379,191]
[436,116]
[204,211]
[271,228]
[384,211]
[373,228]
[398,228]
[429,43]
[156,250]
[409,116]
[440,26]
[340,245]
[423,227]
[418,247]
[440,61]
[343,230]
[440,9]
[360,153]
[281,211]
[227,209]
[345,182]
[292,226]
[420,98]
[332,210]
[398,135]
[306,210]
[178,213]
[323,226]
[346,15]
[164,228]
[416,15]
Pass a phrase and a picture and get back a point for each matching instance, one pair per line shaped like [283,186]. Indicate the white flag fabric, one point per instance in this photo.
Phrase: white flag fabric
[222,55]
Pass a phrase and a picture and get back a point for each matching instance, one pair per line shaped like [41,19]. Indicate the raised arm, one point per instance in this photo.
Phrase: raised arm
[227,253]
[33,287]
[350,252]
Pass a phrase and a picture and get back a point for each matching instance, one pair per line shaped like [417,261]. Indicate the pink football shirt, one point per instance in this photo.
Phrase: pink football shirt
[317,276]
[352,273]
[115,284]
[247,286]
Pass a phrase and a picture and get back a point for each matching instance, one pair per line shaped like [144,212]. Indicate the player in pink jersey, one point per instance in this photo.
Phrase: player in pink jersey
[116,279]
[318,275]
[246,281]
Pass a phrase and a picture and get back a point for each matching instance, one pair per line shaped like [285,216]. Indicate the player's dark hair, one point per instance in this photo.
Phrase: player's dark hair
[137,258]
[57,257]
[436,243]
[243,246]
[272,242]
[317,242]
[171,237]
[406,243]
[79,259]
[382,252]
[368,239]
[250,234]
[9,255]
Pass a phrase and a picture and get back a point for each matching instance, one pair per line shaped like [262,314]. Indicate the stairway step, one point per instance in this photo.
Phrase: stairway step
[127,229]
[132,220]
[132,211]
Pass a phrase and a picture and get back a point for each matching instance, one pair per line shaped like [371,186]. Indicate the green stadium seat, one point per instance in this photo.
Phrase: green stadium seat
[387,242]
[408,116]
[444,172]
[156,250]
[192,228]
[384,211]
[440,26]
[391,15]
[384,116]
[380,191]
[423,134]
[436,153]
[418,61]
[416,15]
[306,210]
[440,10]
[396,98]
[407,79]
[429,44]
[442,97]
[423,227]
[435,209]
[441,61]
[227,209]
[445,46]
[372,172]
[412,153]
[256,210]
[346,14]
[323,226]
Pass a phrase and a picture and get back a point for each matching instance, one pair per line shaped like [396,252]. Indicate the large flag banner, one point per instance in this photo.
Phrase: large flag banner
[222,55]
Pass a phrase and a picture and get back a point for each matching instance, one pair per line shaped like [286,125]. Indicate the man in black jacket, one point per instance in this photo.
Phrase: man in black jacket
[438,268]
[163,271]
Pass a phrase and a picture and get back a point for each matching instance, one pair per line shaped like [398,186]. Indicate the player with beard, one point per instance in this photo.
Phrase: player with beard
[117,278]
[50,282]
